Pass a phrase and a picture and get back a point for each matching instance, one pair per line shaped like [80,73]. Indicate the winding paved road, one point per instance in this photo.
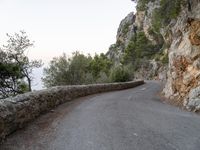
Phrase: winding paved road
[133,119]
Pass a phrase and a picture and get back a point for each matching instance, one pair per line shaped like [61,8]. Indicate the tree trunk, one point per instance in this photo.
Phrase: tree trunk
[29,84]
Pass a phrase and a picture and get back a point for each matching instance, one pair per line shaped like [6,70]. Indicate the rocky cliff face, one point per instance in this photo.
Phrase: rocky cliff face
[124,34]
[183,84]
[180,40]
[129,27]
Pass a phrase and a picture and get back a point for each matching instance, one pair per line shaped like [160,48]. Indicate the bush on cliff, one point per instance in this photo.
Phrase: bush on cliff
[142,4]
[139,48]
[167,11]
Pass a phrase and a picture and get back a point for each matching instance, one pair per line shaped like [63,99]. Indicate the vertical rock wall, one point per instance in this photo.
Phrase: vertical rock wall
[181,43]
[183,82]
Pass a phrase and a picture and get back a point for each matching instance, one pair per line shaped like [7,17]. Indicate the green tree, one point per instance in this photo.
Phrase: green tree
[100,64]
[16,47]
[139,48]
[15,67]
[10,76]
[144,47]
[68,71]
[57,72]
[78,68]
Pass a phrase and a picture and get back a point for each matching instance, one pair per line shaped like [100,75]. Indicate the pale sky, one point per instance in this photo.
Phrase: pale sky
[59,26]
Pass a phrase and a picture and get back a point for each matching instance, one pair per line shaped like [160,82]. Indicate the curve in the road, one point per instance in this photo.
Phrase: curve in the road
[133,119]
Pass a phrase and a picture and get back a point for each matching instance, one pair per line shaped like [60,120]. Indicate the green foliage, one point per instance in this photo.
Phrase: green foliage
[103,78]
[23,86]
[10,79]
[167,11]
[165,59]
[64,71]
[141,4]
[120,74]
[162,56]
[100,63]
[79,69]
[125,28]
[162,16]
[10,70]
[138,48]
[144,47]
[157,37]
[130,53]
[15,66]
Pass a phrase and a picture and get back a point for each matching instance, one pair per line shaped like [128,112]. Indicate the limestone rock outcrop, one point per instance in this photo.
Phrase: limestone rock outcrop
[184,56]
[180,38]
[125,32]
[128,28]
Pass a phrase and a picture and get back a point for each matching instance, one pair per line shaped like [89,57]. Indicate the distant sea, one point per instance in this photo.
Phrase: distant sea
[37,82]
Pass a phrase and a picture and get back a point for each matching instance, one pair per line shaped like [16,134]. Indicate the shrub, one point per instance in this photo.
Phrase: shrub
[141,5]
[100,63]
[157,37]
[125,28]
[162,56]
[119,74]
[103,78]
[167,11]
[139,47]
[165,59]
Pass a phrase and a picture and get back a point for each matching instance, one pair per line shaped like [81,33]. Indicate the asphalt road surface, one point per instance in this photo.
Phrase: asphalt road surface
[133,119]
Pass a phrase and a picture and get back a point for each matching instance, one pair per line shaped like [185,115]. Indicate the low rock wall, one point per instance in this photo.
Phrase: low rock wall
[15,112]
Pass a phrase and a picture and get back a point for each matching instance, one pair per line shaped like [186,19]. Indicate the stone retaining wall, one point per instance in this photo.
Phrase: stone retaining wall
[17,111]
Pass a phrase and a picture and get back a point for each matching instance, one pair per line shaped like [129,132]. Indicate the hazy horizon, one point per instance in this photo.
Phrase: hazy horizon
[63,26]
